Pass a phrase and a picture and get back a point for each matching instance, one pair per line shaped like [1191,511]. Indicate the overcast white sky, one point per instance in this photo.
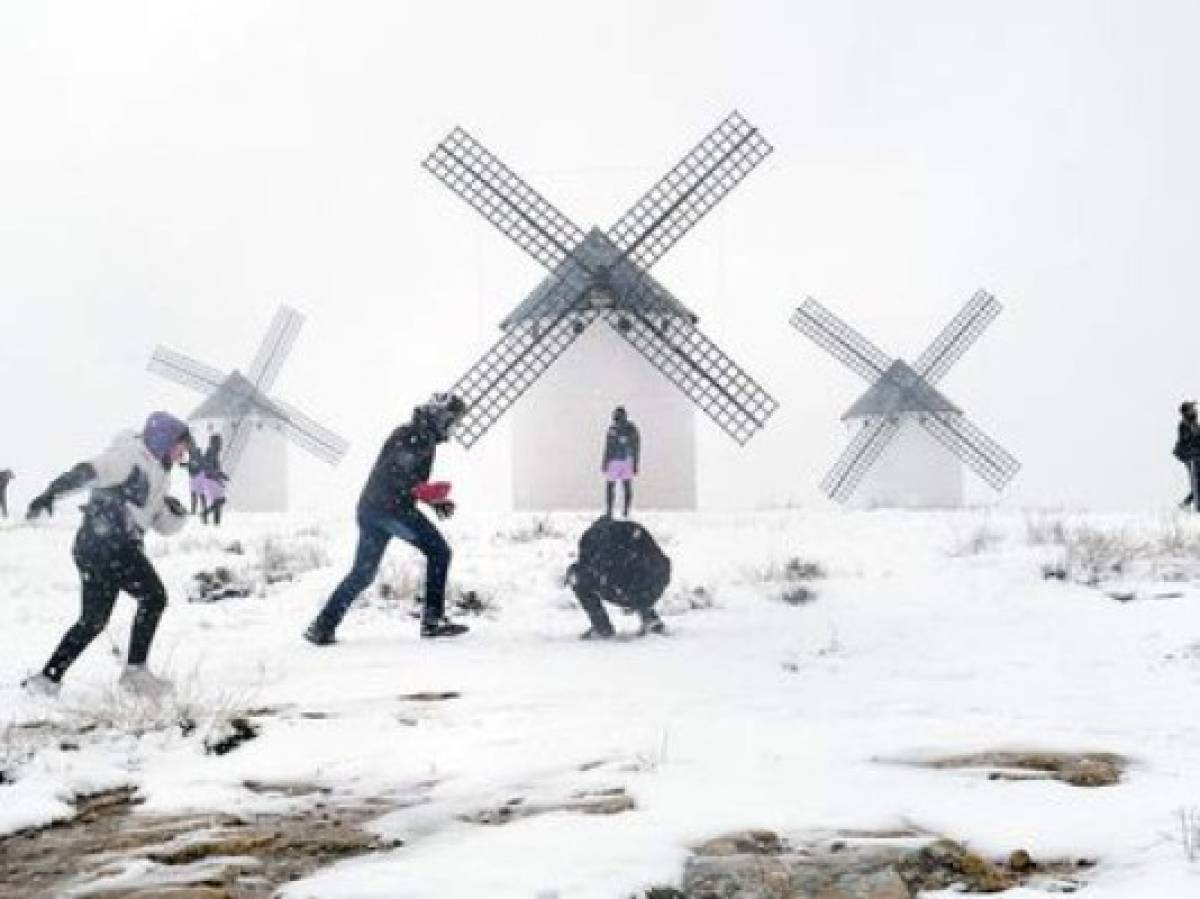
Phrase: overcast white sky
[170,172]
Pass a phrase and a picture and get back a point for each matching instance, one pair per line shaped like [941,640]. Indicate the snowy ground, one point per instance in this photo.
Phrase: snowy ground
[930,634]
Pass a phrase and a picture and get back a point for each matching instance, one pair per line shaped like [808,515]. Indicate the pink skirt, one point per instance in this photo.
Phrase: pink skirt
[211,489]
[619,470]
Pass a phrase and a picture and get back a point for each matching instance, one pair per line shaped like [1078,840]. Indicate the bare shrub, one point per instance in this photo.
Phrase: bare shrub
[791,570]
[1092,556]
[1177,539]
[797,595]
[1042,529]
[1189,832]
[982,539]
[790,580]
[541,528]
[282,559]
[686,598]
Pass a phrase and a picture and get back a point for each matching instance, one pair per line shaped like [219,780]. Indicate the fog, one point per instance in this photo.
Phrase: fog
[170,173]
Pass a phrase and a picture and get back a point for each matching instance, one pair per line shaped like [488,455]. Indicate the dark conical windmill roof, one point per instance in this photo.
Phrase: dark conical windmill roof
[574,278]
[236,398]
[900,390]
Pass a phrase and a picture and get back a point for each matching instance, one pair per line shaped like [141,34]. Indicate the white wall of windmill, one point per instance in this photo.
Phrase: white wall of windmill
[915,471]
[558,429]
[259,483]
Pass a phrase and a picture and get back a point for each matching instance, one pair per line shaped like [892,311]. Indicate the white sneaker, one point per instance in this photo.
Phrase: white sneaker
[40,685]
[138,679]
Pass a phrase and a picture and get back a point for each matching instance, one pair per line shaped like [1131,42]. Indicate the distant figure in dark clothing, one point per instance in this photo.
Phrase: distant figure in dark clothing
[6,476]
[387,508]
[212,481]
[622,451]
[620,563]
[129,483]
[1187,451]
[195,474]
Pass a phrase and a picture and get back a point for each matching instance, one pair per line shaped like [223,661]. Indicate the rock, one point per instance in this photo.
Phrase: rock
[858,874]
[1021,862]
[1093,769]
[1091,772]
[751,842]
[944,864]
[600,802]
[234,843]
[233,734]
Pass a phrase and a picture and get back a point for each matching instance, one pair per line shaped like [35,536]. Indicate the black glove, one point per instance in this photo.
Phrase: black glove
[174,506]
[444,509]
[42,503]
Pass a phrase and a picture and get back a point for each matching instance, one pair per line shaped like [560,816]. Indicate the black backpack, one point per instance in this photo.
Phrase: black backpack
[620,562]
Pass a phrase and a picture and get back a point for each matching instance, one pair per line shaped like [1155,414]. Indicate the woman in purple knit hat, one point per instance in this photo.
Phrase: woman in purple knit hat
[129,483]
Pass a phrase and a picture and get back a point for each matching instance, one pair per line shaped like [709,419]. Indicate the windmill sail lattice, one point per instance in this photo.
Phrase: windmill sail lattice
[605,275]
[899,391]
[242,401]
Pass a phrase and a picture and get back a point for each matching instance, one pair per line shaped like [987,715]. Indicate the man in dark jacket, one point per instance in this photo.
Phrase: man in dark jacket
[622,451]
[5,476]
[1187,451]
[620,563]
[129,485]
[387,508]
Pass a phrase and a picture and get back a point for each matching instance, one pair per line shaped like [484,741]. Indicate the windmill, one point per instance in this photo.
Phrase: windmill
[251,423]
[927,438]
[603,276]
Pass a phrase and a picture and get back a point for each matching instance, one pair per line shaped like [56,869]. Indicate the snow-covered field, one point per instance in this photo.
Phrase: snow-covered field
[929,634]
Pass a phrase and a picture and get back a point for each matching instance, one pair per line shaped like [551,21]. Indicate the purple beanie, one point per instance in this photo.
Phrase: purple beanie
[161,432]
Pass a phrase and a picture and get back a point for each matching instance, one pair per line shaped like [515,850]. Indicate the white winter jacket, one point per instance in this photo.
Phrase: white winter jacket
[129,478]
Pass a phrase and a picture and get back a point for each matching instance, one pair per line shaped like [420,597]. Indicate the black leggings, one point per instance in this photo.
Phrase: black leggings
[103,576]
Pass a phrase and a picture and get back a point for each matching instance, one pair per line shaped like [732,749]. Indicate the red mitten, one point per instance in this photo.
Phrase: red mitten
[431,491]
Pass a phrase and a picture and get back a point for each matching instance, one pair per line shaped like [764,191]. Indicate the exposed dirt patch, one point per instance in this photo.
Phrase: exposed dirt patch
[430,696]
[109,850]
[895,864]
[591,802]
[1086,769]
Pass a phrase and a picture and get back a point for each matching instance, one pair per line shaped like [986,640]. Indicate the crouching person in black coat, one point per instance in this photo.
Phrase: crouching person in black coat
[129,483]
[620,563]
[387,508]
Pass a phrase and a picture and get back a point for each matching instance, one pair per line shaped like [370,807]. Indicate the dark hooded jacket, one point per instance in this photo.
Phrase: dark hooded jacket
[405,461]
[1187,443]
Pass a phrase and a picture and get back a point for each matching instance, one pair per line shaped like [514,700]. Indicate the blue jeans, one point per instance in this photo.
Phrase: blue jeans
[375,529]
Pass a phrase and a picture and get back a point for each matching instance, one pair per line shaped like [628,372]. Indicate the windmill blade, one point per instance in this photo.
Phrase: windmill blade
[698,367]
[840,340]
[977,450]
[510,367]
[185,370]
[686,193]
[962,331]
[857,458]
[273,351]
[307,433]
[503,198]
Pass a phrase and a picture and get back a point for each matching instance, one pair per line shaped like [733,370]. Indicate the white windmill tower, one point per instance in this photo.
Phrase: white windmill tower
[646,339]
[252,425]
[909,442]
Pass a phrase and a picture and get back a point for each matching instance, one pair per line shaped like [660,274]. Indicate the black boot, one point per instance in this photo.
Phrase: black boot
[597,633]
[651,623]
[442,627]
[319,633]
